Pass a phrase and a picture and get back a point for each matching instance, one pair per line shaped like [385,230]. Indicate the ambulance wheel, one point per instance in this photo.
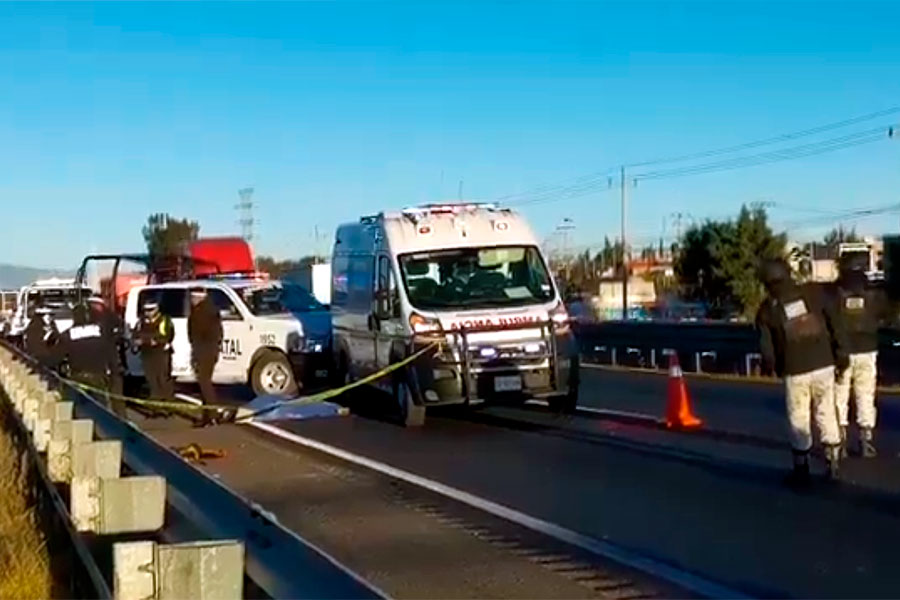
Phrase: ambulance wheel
[566,403]
[272,375]
[411,414]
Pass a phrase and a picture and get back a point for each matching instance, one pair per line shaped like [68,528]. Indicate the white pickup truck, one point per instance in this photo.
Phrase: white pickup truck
[274,335]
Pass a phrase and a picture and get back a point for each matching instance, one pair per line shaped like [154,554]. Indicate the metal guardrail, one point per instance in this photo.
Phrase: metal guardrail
[81,573]
[278,561]
[702,347]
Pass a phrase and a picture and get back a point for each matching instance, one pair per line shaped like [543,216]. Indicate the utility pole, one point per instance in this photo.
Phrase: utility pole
[564,229]
[624,247]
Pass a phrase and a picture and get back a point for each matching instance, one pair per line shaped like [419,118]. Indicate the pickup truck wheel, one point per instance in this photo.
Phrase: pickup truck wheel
[272,375]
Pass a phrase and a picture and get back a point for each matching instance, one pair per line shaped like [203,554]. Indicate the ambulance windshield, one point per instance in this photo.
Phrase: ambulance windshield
[476,277]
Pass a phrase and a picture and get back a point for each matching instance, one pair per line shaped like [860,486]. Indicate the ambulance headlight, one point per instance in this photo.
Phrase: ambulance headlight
[560,318]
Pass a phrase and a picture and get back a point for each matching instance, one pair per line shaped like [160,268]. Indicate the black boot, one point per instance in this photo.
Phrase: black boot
[867,443]
[799,477]
[843,441]
[833,462]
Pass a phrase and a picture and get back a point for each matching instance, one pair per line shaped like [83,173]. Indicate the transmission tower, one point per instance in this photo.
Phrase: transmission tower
[245,212]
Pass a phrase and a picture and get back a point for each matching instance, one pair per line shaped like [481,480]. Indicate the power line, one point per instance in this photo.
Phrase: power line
[771,140]
[602,180]
[791,153]
[567,193]
[537,194]
[852,215]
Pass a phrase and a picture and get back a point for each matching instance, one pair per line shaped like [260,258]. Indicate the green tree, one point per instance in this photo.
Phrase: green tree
[718,260]
[279,269]
[167,236]
[839,235]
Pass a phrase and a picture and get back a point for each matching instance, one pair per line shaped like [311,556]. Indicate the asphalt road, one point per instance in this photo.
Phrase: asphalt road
[709,506]
[748,407]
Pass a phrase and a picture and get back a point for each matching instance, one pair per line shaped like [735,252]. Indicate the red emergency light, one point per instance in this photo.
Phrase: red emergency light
[216,255]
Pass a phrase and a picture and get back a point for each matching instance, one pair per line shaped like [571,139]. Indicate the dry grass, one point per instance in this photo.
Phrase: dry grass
[24,560]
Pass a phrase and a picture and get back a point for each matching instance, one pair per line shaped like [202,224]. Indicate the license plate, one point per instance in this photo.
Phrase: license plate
[508,384]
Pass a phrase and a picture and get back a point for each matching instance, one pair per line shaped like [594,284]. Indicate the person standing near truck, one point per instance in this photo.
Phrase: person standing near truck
[205,335]
[90,355]
[41,336]
[862,310]
[153,339]
[802,340]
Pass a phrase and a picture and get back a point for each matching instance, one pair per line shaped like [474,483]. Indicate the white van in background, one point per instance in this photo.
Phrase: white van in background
[470,277]
[59,295]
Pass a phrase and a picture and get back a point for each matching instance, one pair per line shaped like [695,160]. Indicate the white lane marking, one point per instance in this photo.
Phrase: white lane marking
[688,581]
[274,519]
[189,399]
[604,412]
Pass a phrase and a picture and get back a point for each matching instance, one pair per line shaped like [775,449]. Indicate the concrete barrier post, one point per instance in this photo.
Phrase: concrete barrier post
[80,431]
[97,459]
[120,505]
[59,460]
[49,412]
[213,569]
[29,412]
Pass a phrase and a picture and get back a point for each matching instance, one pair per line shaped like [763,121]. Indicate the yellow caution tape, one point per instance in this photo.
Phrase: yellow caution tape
[142,402]
[243,414]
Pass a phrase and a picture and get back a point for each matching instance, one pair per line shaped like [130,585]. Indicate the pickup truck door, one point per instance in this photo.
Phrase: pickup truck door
[235,351]
[172,302]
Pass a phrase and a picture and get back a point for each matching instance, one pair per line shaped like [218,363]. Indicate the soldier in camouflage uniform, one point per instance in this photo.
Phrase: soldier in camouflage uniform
[862,310]
[802,340]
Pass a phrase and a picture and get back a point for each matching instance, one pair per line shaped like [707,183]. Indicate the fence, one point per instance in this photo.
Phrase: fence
[731,348]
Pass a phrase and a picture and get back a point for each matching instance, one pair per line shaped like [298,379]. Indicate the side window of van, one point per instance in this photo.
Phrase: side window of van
[339,281]
[386,286]
[360,280]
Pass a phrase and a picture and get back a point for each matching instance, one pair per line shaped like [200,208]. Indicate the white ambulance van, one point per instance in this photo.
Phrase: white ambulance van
[467,277]
[274,335]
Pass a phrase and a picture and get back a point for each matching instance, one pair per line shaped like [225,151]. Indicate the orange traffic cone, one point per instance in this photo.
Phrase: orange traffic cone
[678,411]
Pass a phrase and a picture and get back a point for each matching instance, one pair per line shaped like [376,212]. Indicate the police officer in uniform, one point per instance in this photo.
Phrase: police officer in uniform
[205,335]
[154,341]
[41,336]
[111,329]
[862,309]
[802,340]
[91,355]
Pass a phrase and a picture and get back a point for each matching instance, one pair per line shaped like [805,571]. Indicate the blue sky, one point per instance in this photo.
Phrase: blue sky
[331,110]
